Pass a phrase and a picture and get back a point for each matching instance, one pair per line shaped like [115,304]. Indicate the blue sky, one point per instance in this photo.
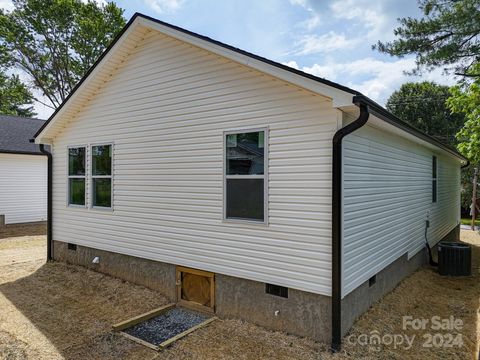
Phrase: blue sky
[328,38]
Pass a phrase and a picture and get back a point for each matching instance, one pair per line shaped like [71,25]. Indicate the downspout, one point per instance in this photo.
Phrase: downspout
[49,200]
[337,223]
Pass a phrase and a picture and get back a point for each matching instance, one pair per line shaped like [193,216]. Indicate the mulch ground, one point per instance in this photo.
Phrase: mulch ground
[59,311]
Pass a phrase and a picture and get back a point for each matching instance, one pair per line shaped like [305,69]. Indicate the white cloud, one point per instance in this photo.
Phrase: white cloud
[378,17]
[99,2]
[164,6]
[375,78]
[331,41]
[314,20]
[292,64]
[302,3]
[6,5]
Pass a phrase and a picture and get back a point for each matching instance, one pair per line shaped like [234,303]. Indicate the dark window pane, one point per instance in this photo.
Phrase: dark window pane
[102,160]
[102,192]
[245,153]
[434,191]
[434,167]
[76,161]
[76,191]
[245,199]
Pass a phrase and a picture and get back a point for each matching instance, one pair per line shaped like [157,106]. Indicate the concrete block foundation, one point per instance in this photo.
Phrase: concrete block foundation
[301,313]
[152,274]
[364,296]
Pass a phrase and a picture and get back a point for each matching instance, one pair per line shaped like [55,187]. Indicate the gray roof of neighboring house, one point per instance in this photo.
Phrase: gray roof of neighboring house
[16,132]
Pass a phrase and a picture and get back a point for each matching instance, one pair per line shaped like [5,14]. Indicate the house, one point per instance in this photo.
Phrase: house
[23,172]
[242,186]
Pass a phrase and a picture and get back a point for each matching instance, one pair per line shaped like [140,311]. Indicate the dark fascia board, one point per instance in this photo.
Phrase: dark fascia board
[385,115]
[375,108]
[20,152]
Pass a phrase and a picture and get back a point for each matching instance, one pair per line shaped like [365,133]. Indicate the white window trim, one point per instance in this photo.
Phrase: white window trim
[77,176]
[91,177]
[264,176]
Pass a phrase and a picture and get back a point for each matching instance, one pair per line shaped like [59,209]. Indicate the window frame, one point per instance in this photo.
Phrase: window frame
[434,179]
[92,177]
[265,221]
[85,177]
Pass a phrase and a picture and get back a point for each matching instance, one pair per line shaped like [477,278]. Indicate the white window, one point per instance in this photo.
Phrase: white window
[245,175]
[76,176]
[101,160]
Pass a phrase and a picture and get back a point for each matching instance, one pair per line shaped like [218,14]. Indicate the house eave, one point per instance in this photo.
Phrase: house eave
[384,119]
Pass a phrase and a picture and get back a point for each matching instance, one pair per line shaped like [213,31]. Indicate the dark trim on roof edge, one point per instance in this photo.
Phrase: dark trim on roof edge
[380,112]
[21,152]
[375,109]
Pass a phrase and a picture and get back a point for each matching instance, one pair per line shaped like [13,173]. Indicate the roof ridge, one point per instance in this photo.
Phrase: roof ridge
[20,117]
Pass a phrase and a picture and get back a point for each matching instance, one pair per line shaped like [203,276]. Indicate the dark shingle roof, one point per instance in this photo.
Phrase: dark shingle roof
[16,132]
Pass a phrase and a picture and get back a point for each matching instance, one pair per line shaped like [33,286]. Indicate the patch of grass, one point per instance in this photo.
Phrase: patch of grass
[468,221]
[25,229]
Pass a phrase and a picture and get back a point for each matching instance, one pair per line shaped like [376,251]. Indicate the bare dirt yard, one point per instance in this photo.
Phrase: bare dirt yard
[59,311]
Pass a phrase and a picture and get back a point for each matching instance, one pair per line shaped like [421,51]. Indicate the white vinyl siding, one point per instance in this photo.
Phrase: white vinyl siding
[387,196]
[166,108]
[23,188]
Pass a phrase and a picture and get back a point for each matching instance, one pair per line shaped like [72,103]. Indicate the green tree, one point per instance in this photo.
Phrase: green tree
[15,98]
[55,42]
[447,36]
[465,100]
[423,105]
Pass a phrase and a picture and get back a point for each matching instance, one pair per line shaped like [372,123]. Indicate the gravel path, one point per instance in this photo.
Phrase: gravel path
[167,325]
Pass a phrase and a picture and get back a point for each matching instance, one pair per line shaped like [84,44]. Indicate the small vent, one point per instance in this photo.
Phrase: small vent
[372,280]
[276,290]
[72,247]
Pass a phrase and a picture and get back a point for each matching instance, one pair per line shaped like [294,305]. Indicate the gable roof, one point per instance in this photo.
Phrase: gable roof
[15,133]
[340,95]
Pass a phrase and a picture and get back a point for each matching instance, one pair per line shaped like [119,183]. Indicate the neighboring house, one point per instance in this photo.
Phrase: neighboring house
[23,171]
[231,182]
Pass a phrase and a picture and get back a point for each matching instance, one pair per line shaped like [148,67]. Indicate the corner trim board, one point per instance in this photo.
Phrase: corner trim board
[49,200]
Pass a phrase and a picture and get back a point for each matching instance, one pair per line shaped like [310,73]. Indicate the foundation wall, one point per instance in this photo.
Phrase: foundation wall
[152,274]
[302,313]
[364,296]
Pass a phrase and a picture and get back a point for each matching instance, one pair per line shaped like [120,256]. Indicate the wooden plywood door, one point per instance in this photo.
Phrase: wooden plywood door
[195,288]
